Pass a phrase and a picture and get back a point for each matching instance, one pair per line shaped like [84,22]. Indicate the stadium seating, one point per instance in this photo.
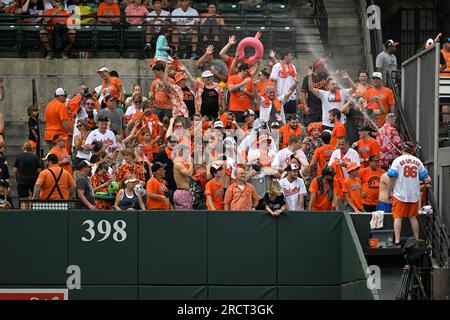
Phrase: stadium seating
[9,36]
[133,38]
[85,37]
[107,38]
[29,37]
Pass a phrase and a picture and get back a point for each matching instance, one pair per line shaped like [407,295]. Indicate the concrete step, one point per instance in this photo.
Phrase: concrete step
[347,50]
[345,40]
[309,37]
[313,30]
[345,31]
[343,22]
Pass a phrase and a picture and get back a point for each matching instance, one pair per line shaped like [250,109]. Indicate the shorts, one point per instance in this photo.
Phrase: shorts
[182,200]
[383,206]
[404,209]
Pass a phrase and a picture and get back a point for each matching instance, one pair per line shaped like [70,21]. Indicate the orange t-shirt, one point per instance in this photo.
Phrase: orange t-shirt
[47,182]
[215,190]
[241,199]
[108,11]
[446,55]
[55,113]
[367,149]
[353,188]
[113,87]
[338,132]
[321,202]
[370,184]
[157,187]
[386,99]
[161,96]
[323,155]
[151,123]
[61,154]
[287,132]
[57,19]
[239,101]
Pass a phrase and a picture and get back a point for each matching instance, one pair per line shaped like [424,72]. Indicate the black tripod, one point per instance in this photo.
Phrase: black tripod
[411,287]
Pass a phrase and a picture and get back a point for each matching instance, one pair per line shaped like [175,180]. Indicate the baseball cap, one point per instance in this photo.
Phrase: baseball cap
[215,168]
[59,137]
[84,164]
[378,75]
[207,74]
[352,166]
[374,157]
[292,167]
[274,124]
[158,165]
[51,157]
[249,112]
[102,69]
[103,119]
[110,97]
[390,43]
[60,92]
[131,180]
[172,139]
[218,124]
[429,43]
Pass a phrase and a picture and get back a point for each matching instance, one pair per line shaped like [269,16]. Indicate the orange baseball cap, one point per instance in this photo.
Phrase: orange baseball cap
[180,76]
[352,166]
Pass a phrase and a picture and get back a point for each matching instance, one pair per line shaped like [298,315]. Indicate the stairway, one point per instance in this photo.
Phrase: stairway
[345,35]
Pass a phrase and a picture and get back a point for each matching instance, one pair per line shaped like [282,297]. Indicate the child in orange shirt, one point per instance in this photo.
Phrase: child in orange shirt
[324,192]
[352,188]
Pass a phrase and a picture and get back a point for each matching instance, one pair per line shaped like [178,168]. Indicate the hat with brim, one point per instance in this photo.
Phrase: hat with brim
[218,124]
[84,164]
[352,166]
[59,137]
[103,69]
[51,157]
[158,165]
[133,180]
[292,167]
[207,74]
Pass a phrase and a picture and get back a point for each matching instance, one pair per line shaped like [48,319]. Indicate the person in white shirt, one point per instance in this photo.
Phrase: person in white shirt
[187,20]
[344,155]
[102,134]
[293,189]
[283,157]
[283,73]
[333,98]
[158,22]
[405,174]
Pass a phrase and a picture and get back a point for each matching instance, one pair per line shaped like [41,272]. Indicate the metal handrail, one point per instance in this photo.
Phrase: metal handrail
[321,18]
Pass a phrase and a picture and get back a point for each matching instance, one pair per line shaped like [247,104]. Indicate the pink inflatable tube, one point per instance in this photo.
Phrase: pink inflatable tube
[251,42]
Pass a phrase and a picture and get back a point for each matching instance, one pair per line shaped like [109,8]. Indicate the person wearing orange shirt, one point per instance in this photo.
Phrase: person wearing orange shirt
[241,195]
[290,129]
[108,12]
[214,190]
[157,198]
[352,188]
[59,149]
[380,99]
[324,192]
[322,154]
[338,129]
[54,183]
[159,92]
[241,91]
[370,183]
[57,118]
[56,20]
[111,86]
[445,69]
[367,146]
[363,83]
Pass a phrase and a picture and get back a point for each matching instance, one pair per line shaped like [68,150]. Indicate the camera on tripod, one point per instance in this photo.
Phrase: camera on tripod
[411,251]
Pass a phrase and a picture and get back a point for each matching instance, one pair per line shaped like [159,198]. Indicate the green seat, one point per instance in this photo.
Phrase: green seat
[233,19]
[265,38]
[280,22]
[257,10]
[9,37]
[8,18]
[134,37]
[256,21]
[85,37]
[29,36]
[201,7]
[229,8]
[283,37]
[278,11]
[107,37]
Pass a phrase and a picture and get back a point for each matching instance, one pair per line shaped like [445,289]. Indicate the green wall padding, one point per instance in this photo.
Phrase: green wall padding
[242,293]
[173,293]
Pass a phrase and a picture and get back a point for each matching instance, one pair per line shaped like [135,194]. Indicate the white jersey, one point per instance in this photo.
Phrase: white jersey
[185,18]
[283,157]
[283,84]
[108,138]
[408,171]
[351,156]
[292,191]
[265,110]
[329,102]
[255,154]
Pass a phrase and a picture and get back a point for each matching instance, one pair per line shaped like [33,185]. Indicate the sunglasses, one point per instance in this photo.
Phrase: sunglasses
[173,141]
[140,101]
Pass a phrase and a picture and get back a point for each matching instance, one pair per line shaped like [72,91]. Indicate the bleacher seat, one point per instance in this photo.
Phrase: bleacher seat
[85,37]
[276,10]
[279,22]
[265,33]
[233,19]
[258,10]
[201,7]
[226,8]
[134,37]
[9,36]
[107,37]
[283,37]
[9,18]
[29,35]
[256,21]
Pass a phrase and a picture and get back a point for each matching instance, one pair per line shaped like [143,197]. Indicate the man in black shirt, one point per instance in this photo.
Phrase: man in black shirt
[313,105]
[26,170]
[355,119]
[84,188]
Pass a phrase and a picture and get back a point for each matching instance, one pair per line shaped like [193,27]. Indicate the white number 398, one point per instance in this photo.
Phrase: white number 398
[104,229]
